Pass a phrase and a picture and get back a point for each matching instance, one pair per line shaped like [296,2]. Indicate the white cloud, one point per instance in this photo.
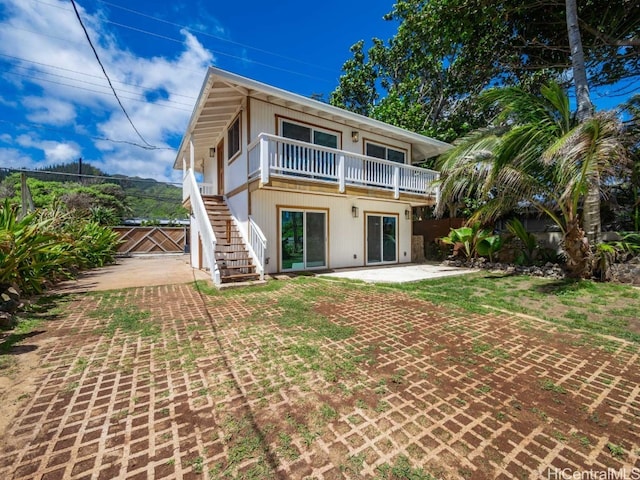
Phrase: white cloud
[54,152]
[50,111]
[8,103]
[77,96]
[6,138]
[14,158]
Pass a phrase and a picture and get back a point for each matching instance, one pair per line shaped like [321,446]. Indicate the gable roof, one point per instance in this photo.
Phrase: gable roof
[221,97]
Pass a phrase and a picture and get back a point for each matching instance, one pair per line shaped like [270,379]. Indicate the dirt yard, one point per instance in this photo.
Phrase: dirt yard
[311,378]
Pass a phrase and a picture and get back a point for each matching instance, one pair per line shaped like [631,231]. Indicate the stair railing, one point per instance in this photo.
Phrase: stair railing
[191,190]
[257,246]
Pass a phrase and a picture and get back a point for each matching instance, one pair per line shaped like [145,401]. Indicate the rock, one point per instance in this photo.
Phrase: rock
[9,300]
[7,320]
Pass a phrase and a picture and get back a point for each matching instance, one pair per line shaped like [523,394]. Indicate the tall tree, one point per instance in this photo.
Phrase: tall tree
[591,218]
[535,152]
[445,52]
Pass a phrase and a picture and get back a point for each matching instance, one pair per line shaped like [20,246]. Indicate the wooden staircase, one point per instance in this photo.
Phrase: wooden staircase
[232,256]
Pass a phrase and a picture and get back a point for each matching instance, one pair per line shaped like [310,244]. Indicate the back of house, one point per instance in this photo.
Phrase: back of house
[277,182]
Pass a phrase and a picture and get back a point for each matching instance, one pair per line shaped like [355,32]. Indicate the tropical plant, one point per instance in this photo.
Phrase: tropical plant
[535,154]
[467,240]
[489,246]
[25,247]
[605,254]
[48,245]
[528,241]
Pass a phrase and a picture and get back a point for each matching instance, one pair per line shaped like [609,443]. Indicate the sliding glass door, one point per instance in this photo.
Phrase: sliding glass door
[303,239]
[382,234]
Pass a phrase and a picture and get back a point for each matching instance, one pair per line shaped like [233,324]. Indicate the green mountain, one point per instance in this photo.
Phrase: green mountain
[131,197]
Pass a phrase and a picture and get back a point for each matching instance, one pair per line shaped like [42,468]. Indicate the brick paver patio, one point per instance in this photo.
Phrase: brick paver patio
[215,387]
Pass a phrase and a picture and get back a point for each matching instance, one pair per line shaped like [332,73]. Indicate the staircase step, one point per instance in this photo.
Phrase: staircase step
[239,277]
[237,267]
[231,252]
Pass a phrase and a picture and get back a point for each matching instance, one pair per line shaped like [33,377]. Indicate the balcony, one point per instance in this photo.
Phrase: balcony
[272,156]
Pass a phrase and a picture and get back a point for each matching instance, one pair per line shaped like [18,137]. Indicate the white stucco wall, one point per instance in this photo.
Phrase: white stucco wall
[346,235]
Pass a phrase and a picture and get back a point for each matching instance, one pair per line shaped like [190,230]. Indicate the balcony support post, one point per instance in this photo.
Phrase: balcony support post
[191,155]
[341,173]
[396,181]
[264,160]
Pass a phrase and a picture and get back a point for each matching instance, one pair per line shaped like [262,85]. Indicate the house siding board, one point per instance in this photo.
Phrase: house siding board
[239,206]
[236,172]
[346,235]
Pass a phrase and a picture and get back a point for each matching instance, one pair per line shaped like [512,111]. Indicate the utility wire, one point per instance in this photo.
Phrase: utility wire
[149,147]
[236,57]
[123,178]
[31,69]
[86,33]
[93,137]
[27,60]
[218,37]
[181,41]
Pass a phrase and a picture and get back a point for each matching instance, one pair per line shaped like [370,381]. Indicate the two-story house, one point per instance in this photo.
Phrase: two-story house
[290,183]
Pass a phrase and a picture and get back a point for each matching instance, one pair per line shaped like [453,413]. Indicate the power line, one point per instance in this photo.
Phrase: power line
[93,137]
[86,33]
[94,84]
[218,37]
[180,41]
[85,175]
[31,77]
[236,57]
[21,59]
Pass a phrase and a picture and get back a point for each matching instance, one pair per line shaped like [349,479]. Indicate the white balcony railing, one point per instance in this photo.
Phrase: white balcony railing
[277,156]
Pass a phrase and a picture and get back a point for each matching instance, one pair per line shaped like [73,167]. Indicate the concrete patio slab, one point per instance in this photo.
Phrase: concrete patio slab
[136,271]
[398,273]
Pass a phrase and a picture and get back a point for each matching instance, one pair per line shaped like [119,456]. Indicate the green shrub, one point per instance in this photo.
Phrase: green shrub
[48,245]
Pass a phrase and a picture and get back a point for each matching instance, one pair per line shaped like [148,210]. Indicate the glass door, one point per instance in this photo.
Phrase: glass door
[382,234]
[303,237]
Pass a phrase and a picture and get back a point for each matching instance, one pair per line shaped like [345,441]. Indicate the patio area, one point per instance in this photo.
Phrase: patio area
[311,378]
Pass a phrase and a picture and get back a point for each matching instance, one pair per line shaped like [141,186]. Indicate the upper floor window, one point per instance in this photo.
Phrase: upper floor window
[233,138]
[309,134]
[384,152]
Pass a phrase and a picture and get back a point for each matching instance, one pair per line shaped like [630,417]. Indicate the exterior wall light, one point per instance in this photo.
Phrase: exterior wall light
[212,152]
[354,211]
[407,214]
[355,136]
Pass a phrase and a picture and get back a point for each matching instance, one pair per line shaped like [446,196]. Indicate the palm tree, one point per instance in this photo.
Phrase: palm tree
[584,111]
[538,154]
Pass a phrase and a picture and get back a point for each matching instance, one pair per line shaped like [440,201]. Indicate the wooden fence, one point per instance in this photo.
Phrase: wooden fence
[152,239]
[432,228]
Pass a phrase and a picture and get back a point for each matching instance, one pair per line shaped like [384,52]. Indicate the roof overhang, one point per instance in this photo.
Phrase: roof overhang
[222,96]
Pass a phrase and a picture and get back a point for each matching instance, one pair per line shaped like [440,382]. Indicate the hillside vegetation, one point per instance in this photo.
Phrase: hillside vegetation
[117,196]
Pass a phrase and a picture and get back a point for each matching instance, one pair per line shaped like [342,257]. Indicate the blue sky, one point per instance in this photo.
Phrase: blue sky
[56,106]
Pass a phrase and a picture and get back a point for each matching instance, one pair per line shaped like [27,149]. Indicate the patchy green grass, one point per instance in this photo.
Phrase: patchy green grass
[592,307]
[128,320]
[402,469]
